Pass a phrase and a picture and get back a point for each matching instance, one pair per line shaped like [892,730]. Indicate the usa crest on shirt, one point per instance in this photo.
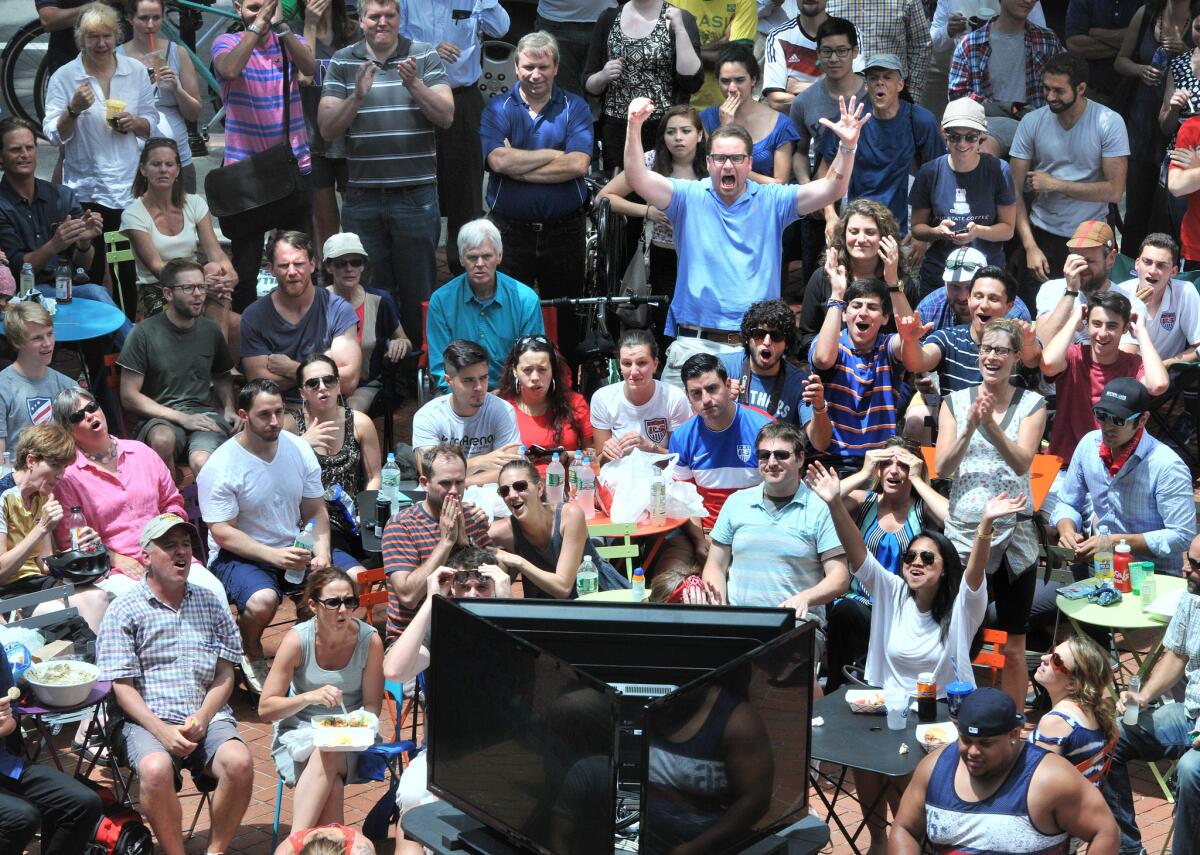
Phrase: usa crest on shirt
[744,452]
[656,430]
[39,410]
[1167,320]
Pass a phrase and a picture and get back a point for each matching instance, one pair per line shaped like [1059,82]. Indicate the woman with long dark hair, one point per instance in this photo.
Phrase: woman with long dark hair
[536,381]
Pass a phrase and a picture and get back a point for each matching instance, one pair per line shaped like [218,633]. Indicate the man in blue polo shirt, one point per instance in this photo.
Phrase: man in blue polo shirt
[728,230]
[482,305]
[537,144]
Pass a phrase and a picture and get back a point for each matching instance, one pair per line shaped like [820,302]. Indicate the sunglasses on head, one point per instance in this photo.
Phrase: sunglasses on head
[1057,663]
[1105,417]
[463,578]
[343,263]
[957,138]
[335,603]
[780,454]
[77,416]
[927,557]
[329,381]
[516,487]
[962,264]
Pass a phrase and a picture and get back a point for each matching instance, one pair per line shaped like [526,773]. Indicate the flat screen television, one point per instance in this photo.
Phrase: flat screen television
[518,738]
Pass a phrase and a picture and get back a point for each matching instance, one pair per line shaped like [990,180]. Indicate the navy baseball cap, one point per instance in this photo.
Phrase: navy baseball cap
[988,712]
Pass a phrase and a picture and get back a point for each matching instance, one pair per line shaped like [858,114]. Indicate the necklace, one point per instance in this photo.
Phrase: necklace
[104,456]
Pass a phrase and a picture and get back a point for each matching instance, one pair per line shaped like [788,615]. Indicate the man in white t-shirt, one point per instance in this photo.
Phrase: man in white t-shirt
[255,491]
[790,62]
[1172,305]
[482,424]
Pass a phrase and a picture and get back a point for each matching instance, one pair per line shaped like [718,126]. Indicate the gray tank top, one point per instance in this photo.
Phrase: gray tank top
[546,557]
[309,675]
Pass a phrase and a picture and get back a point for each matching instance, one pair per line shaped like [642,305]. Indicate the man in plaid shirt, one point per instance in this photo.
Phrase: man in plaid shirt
[899,27]
[1021,49]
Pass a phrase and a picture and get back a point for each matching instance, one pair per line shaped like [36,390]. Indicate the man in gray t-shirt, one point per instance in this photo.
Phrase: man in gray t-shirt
[837,48]
[482,424]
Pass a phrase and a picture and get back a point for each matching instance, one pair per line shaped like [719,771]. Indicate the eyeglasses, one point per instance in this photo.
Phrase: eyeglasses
[315,383]
[722,159]
[463,578]
[335,603]
[343,263]
[830,52]
[517,487]
[963,264]
[954,138]
[989,349]
[780,454]
[763,333]
[1104,417]
[927,558]
[77,416]
[194,288]
[1059,665]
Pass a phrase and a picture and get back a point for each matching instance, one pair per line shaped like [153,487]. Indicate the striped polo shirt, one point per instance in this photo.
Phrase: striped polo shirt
[408,539]
[959,368]
[390,143]
[254,102]
[863,393]
[719,462]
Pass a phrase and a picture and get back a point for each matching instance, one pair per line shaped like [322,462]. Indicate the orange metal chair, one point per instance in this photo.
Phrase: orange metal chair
[992,657]
[1041,474]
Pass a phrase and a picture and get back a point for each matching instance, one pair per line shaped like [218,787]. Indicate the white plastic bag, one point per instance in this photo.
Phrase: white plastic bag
[683,501]
[486,497]
[628,480]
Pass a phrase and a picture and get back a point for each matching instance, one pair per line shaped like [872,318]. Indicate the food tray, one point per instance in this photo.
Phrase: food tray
[943,728]
[867,701]
[331,734]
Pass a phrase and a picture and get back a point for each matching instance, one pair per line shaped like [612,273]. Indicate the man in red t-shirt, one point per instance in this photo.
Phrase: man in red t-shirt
[419,540]
[1183,179]
[1080,371]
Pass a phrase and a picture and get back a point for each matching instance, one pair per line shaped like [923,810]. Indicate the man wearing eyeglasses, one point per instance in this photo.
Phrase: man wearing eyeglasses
[171,649]
[173,362]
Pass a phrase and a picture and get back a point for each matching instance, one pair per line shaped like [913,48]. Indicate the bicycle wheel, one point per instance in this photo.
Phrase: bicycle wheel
[25,72]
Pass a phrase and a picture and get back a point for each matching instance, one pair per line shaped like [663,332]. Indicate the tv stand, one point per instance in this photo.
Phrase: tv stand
[446,830]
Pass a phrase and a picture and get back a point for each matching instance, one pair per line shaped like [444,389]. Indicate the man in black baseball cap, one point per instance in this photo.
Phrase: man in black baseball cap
[1021,797]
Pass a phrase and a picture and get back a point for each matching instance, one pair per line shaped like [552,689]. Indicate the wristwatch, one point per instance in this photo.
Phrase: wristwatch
[255,28]
[894,288]
[72,113]
[1070,293]
[281,29]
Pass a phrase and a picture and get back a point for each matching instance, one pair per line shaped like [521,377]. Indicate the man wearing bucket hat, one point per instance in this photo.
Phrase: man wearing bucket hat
[176,717]
[1014,798]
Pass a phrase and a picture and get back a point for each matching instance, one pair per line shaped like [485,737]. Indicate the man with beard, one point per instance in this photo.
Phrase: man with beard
[1169,731]
[948,306]
[767,382]
[991,791]
[791,63]
[1172,305]
[172,362]
[1072,154]
[253,490]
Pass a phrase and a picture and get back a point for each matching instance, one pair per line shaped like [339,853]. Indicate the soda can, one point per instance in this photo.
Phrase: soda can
[383,513]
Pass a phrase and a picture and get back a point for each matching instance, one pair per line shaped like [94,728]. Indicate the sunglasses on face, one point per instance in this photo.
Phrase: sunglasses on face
[927,558]
[1194,563]
[763,333]
[989,349]
[780,454]
[722,159]
[335,603]
[954,138]
[314,383]
[516,487]
[344,263]
[1104,417]
[463,579]
[77,416]
[1057,663]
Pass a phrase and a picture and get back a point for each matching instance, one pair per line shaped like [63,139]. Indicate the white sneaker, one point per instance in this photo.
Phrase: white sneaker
[255,672]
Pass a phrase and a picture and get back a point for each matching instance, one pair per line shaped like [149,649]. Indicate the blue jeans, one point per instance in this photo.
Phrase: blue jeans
[399,228]
[1156,737]
[100,295]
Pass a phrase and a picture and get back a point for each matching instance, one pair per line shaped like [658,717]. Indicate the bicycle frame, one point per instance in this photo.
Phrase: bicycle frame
[169,30]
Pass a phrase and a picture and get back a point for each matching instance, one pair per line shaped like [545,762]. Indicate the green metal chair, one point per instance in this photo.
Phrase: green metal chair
[626,549]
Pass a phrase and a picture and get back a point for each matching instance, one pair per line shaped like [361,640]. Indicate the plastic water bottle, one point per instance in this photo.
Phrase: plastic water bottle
[573,475]
[6,464]
[585,497]
[554,481]
[75,525]
[344,501]
[304,540]
[658,499]
[62,284]
[27,281]
[1130,718]
[587,580]
[389,483]
[1103,562]
[638,591]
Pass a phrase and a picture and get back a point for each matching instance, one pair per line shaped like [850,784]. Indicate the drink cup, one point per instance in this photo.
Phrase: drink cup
[112,107]
[956,692]
[982,16]
[897,709]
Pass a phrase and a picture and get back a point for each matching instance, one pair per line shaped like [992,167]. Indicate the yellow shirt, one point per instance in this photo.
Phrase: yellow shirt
[716,18]
[16,521]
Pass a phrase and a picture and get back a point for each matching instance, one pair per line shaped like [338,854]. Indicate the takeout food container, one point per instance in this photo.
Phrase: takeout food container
[351,732]
[934,736]
[868,701]
[55,693]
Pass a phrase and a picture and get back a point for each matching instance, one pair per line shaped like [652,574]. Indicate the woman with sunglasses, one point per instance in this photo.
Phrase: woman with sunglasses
[536,380]
[165,222]
[328,662]
[987,438]
[922,620]
[382,337]
[1082,722]
[347,448]
[545,545]
[963,198]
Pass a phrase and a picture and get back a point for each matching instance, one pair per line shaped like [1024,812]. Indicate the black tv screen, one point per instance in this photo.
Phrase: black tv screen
[726,756]
[518,738]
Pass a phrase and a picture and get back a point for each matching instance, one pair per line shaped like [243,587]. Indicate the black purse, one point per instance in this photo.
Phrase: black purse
[252,193]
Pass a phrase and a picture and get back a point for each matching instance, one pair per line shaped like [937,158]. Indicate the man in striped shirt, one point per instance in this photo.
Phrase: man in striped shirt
[388,94]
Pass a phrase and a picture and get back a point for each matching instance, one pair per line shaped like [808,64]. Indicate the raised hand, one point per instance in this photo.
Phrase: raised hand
[814,392]
[889,254]
[406,69]
[501,583]
[364,79]
[824,482]
[439,582]
[849,124]
[1028,334]
[1001,505]
[83,98]
[836,274]
[728,110]
[640,109]
[450,525]
[910,328]
[914,462]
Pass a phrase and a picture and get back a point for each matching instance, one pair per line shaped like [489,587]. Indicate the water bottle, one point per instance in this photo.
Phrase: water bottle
[586,495]
[27,281]
[62,284]
[658,499]
[587,580]
[304,540]
[6,464]
[75,525]
[389,483]
[1103,562]
[1122,580]
[1130,718]
[554,481]
[573,475]
[345,503]
[638,591]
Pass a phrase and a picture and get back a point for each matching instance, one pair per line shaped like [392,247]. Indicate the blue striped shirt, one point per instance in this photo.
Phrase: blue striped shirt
[959,368]
[864,396]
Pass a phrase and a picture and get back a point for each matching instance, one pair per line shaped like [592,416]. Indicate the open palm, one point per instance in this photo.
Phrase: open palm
[849,123]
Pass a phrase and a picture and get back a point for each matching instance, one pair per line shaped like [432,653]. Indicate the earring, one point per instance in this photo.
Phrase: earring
[551,384]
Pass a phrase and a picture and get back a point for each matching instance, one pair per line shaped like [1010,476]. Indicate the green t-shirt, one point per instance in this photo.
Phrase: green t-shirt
[178,365]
